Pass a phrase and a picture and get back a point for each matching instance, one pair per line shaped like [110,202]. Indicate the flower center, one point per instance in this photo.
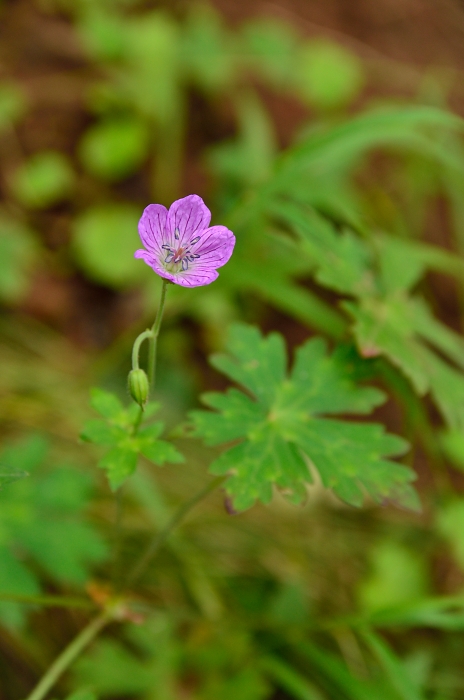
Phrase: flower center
[179,257]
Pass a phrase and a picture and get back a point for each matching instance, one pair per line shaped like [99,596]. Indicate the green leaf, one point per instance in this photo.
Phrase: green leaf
[450,521]
[45,179]
[387,318]
[329,76]
[118,434]
[82,694]
[7,477]
[49,496]
[287,423]
[111,670]
[114,148]
[453,445]
[397,576]
[18,252]
[207,50]
[395,673]
[15,577]
[106,404]
[105,239]
[289,678]
[101,433]
[157,451]
[12,104]
[119,463]
[248,159]
[271,48]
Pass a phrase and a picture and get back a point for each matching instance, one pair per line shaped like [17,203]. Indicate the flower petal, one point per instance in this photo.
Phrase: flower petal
[186,278]
[152,227]
[154,263]
[195,278]
[214,248]
[187,218]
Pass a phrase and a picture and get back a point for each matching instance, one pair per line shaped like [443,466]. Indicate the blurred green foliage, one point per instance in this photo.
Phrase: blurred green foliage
[333,236]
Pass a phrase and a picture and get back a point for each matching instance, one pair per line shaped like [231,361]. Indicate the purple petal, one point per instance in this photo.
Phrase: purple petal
[214,248]
[188,278]
[187,218]
[195,278]
[152,227]
[154,263]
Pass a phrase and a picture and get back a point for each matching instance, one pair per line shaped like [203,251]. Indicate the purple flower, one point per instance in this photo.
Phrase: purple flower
[180,245]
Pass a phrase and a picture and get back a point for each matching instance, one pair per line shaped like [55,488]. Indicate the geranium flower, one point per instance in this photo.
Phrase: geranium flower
[180,245]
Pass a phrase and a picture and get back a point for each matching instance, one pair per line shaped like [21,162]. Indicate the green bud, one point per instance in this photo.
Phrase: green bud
[138,386]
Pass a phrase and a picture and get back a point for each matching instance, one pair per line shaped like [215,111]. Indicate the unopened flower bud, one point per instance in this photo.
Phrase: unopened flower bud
[139,386]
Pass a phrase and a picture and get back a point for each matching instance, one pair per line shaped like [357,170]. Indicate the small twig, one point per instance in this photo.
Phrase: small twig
[161,537]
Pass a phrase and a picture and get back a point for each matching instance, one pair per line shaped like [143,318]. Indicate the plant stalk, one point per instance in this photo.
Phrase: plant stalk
[154,336]
[72,651]
[161,537]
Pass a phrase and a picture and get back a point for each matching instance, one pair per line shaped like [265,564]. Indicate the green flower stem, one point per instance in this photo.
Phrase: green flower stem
[161,537]
[136,348]
[72,651]
[154,336]
[95,626]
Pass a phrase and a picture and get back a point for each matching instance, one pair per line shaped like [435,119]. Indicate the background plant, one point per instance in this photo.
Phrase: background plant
[337,229]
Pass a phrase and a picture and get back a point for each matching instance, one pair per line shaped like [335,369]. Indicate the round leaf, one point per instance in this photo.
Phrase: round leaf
[105,239]
[45,179]
[330,76]
[114,148]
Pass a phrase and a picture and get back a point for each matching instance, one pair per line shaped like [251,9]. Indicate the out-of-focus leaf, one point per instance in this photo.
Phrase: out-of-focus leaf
[249,159]
[12,104]
[445,613]
[336,677]
[248,683]
[44,180]
[46,498]
[289,679]
[15,577]
[395,672]
[105,240]
[329,75]
[7,476]
[207,49]
[397,576]
[153,65]
[387,319]
[286,423]
[114,148]
[271,47]
[450,523]
[111,670]
[82,694]
[102,32]
[453,445]
[338,149]
[18,252]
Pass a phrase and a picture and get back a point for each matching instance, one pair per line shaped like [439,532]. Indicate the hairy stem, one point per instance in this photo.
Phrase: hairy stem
[136,348]
[154,335]
[72,651]
[161,537]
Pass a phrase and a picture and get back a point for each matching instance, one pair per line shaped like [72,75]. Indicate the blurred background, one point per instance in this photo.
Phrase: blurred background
[106,106]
